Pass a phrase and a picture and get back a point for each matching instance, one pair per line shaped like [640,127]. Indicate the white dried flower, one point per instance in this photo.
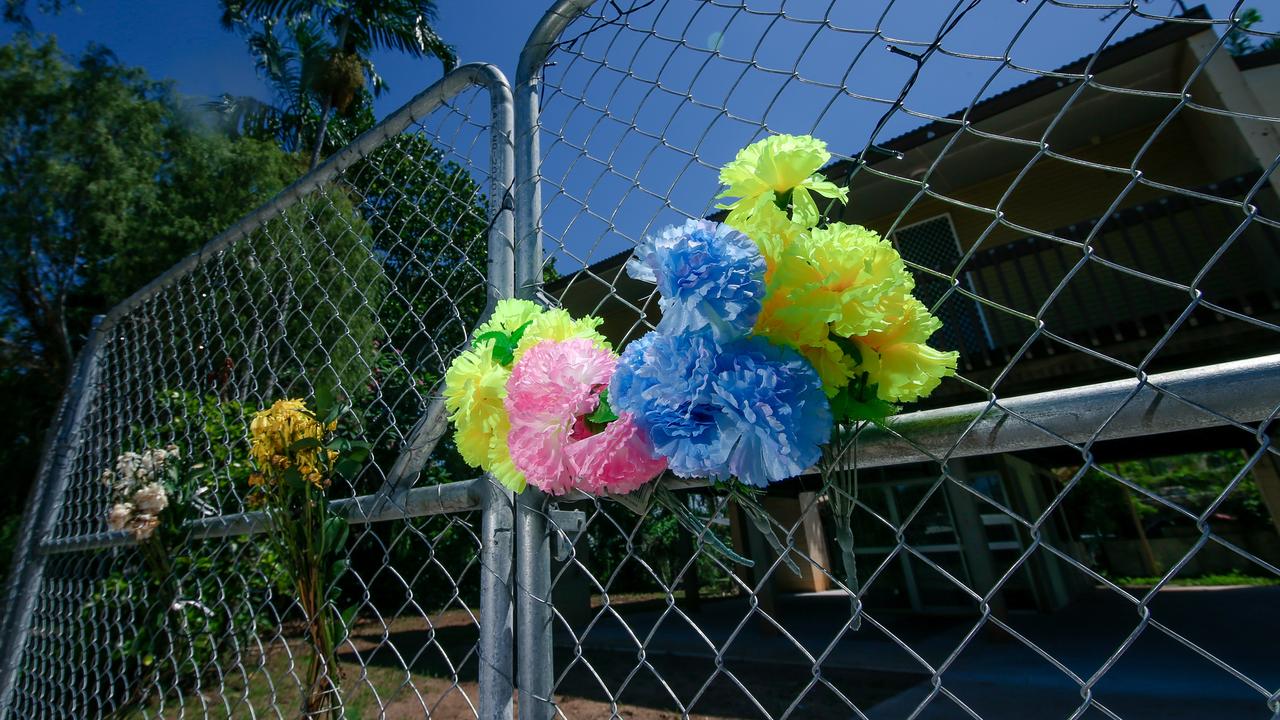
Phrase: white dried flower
[119,516]
[108,478]
[151,499]
[143,526]
[171,452]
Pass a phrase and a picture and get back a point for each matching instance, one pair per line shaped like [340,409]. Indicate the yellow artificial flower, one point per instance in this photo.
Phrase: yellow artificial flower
[861,270]
[474,387]
[773,232]
[508,315]
[834,367]
[798,307]
[476,383]
[842,280]
[558,324]
[897,359]
[767,169]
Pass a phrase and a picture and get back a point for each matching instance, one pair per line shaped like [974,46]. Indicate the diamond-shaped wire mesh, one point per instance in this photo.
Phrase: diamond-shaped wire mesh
[1087,195]
[366,277]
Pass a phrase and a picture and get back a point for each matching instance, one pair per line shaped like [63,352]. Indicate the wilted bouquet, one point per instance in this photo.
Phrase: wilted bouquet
[137,487]
[297,454]
[775,327]
[153,494]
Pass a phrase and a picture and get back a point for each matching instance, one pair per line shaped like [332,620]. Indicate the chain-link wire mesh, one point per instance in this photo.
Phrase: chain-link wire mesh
[365,277]
[1086,194]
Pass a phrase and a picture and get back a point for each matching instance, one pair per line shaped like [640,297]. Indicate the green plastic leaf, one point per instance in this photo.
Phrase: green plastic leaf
[761,519]
[846,406]
[603,414]
[518,333]
[697,526]
[848,347]
[504,344]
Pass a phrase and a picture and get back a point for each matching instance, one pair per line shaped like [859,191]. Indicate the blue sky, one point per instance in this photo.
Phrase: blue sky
[182,40]
[725,73]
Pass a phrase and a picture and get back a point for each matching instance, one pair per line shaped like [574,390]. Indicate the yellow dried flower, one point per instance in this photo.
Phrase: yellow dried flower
[274,432]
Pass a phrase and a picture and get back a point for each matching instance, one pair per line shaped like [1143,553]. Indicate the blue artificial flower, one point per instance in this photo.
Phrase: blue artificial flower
[709,276]
[749,409]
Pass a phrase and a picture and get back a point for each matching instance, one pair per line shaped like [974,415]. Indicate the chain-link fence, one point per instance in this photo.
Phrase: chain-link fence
[1082,523]
[366,276]
[1086,227]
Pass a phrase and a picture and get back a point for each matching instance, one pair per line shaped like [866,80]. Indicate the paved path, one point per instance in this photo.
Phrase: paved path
[996,675]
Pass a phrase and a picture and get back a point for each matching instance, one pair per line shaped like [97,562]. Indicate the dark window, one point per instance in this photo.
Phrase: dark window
[933,244]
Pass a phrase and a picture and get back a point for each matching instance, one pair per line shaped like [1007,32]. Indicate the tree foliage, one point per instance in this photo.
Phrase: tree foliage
[317,56]
[106,179]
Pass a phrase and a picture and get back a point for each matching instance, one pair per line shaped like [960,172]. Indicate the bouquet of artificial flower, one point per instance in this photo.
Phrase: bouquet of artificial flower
[776,328]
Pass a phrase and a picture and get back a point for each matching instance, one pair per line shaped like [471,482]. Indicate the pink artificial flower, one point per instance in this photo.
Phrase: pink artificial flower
[552,386]
[618,460]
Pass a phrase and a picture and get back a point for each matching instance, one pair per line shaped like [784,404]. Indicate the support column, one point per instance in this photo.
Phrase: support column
[1266,475]
[973,537]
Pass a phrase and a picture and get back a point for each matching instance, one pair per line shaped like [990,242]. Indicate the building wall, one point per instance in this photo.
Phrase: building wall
[1264,82]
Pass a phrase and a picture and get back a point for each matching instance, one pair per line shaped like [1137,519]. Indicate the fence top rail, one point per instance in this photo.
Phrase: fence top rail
[483,75]
[453,497]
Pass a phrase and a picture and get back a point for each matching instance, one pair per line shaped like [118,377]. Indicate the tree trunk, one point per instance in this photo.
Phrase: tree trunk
[324,126]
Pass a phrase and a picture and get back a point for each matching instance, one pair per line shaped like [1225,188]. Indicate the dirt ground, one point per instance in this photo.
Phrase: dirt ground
[415,667]
[653,688]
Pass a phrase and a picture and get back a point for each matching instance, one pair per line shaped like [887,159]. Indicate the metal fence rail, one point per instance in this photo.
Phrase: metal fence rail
[1097,233]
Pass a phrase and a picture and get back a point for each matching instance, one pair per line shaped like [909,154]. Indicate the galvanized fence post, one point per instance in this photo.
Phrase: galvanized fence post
[536,662]
[496,680]
[42,509]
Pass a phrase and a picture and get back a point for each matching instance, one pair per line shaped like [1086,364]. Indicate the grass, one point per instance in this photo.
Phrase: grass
[1202,581]
[272,686]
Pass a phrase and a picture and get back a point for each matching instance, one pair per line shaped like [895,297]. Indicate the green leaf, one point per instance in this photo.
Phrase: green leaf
[848,347]
[293,479]
[504,344]
[335,534]
[336,571]
[845,406]
[324,400]
[603,414]
[518,333]
[349,616]
[304,444]
[348,468]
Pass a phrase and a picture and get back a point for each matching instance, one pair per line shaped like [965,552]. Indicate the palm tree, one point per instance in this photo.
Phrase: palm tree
[352,30]
[292,61]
